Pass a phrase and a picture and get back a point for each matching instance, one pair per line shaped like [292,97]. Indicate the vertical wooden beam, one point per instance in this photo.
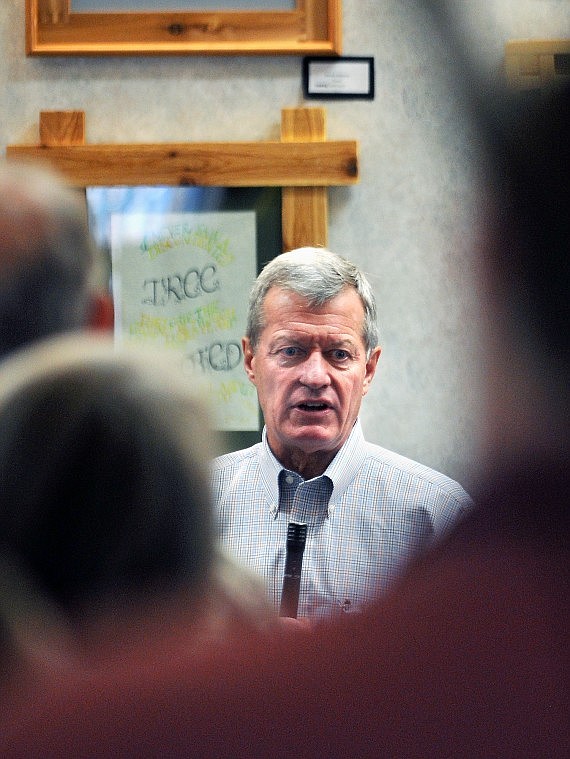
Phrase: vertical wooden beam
[304,209]
[62,128]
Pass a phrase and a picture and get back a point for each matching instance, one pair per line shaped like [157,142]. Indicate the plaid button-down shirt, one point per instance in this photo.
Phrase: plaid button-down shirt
[367,516]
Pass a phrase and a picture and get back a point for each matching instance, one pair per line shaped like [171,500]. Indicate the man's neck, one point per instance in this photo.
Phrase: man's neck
[307,465]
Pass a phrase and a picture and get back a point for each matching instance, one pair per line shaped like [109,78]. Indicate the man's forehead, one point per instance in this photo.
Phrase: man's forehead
[286,311]
[302,334]
[313,304]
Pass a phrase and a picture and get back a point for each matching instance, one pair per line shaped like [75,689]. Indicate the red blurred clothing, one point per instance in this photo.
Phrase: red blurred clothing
[466,658]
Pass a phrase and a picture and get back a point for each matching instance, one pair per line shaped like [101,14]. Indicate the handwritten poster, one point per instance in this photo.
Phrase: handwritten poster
[181,281]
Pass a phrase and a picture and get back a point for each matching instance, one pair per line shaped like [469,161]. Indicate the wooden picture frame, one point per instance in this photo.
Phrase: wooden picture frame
[312,28]
[303,163]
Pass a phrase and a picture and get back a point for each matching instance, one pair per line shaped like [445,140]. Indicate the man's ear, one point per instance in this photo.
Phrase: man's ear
[101,312]
[371,365]
[248,358]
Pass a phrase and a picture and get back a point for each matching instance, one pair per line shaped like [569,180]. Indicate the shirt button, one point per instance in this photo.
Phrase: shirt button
[289,479]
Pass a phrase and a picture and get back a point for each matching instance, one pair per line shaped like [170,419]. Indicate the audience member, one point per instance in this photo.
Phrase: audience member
[311,350]
[105,516]
[51,274]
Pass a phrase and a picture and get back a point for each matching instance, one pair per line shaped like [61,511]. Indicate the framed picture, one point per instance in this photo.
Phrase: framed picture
[183,27]
[532,65]
[342,77]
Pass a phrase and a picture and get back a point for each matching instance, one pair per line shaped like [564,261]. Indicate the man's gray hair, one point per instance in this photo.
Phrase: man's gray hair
[317,275]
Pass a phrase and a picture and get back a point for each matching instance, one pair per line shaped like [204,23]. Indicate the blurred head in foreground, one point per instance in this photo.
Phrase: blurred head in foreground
[51,274]
[104,501]
[526,276]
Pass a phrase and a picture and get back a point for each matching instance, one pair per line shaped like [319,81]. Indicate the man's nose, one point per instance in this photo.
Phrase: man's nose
[315,371]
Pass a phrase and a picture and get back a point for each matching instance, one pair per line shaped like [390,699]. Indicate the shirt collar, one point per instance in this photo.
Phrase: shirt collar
[342,469]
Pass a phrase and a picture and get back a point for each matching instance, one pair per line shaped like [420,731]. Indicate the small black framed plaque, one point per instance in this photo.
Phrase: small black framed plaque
[340,77]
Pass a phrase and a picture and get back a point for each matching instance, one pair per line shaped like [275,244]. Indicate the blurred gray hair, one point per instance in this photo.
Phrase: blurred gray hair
[317,275]
[49,265]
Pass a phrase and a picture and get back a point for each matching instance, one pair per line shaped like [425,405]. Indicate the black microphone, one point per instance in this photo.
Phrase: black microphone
[296,537]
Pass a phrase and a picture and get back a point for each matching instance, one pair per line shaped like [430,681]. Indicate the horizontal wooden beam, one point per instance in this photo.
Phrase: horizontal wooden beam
[237,164]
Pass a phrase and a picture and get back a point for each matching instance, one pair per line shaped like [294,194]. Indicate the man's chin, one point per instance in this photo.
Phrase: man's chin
[314,439]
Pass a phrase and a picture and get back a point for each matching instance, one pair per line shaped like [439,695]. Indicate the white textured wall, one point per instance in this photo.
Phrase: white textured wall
[410,223]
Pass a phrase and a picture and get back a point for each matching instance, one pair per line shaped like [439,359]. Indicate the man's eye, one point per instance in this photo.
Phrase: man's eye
[340,355]
[290,351]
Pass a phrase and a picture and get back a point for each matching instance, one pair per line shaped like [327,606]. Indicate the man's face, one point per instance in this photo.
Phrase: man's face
[311,373]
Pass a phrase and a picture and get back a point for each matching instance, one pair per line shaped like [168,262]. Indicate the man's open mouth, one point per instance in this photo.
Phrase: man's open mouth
[313,406]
